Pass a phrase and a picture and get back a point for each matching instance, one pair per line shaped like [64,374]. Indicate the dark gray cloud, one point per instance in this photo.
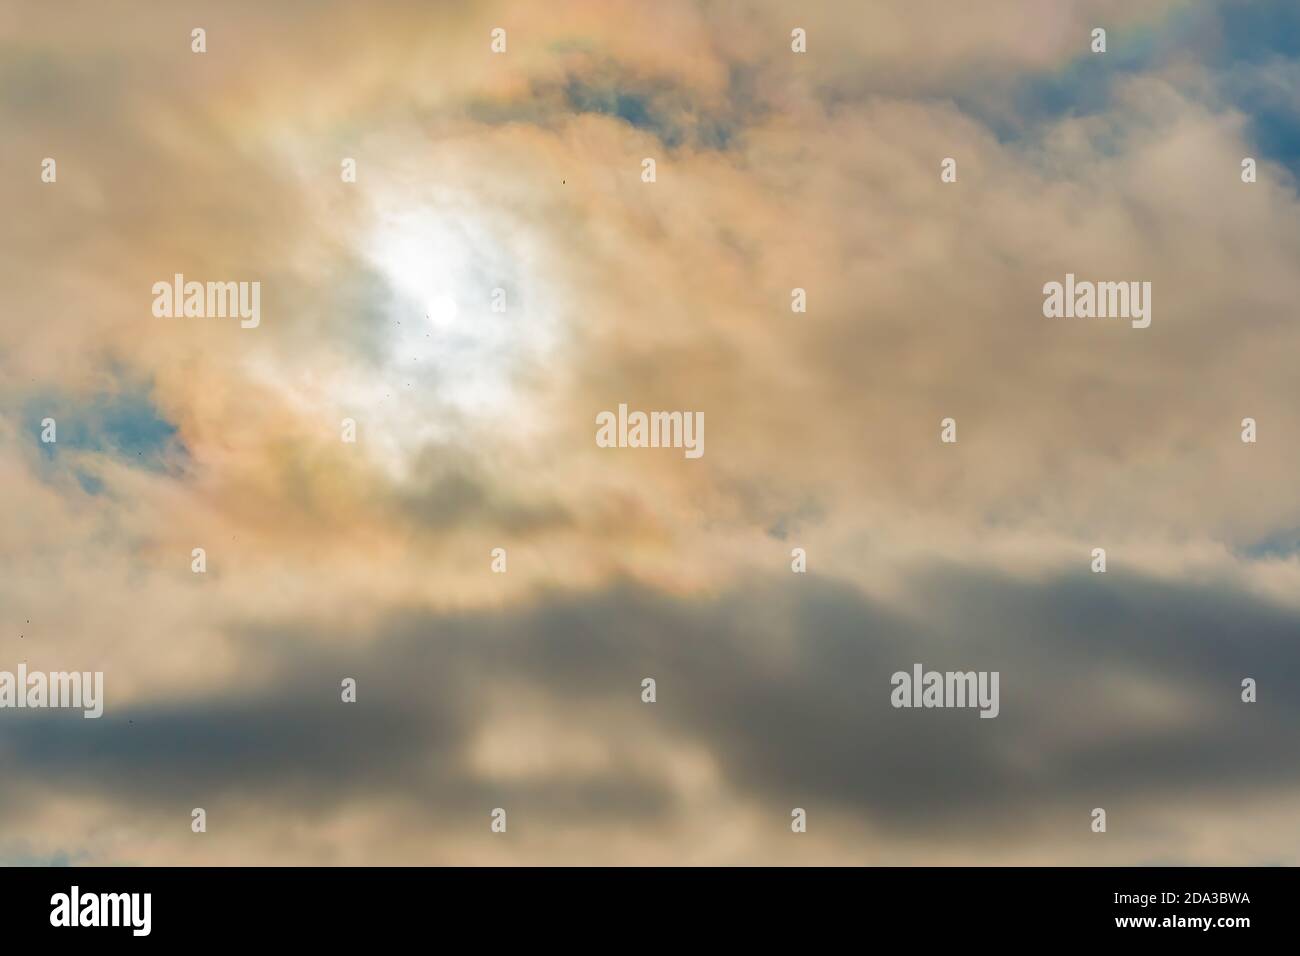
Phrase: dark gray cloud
[785,682]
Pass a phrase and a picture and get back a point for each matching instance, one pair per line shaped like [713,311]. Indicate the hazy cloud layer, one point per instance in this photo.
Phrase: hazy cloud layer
[475,431]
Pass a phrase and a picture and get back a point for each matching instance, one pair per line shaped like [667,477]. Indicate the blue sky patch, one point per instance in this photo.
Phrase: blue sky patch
[125,424]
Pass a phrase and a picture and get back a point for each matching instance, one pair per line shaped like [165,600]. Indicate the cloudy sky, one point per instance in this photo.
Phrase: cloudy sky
[775,170]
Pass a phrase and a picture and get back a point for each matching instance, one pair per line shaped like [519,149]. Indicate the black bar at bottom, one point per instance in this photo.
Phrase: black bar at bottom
[667,907]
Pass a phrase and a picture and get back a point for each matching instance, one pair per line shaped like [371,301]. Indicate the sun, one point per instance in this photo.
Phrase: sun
[442,311]
[446,263]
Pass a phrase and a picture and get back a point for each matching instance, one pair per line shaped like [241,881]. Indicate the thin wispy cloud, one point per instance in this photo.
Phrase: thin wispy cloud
[461,253]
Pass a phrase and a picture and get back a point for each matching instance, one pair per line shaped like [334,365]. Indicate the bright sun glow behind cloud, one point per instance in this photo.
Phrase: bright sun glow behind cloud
[444,264]
[445,361]
[447,354]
